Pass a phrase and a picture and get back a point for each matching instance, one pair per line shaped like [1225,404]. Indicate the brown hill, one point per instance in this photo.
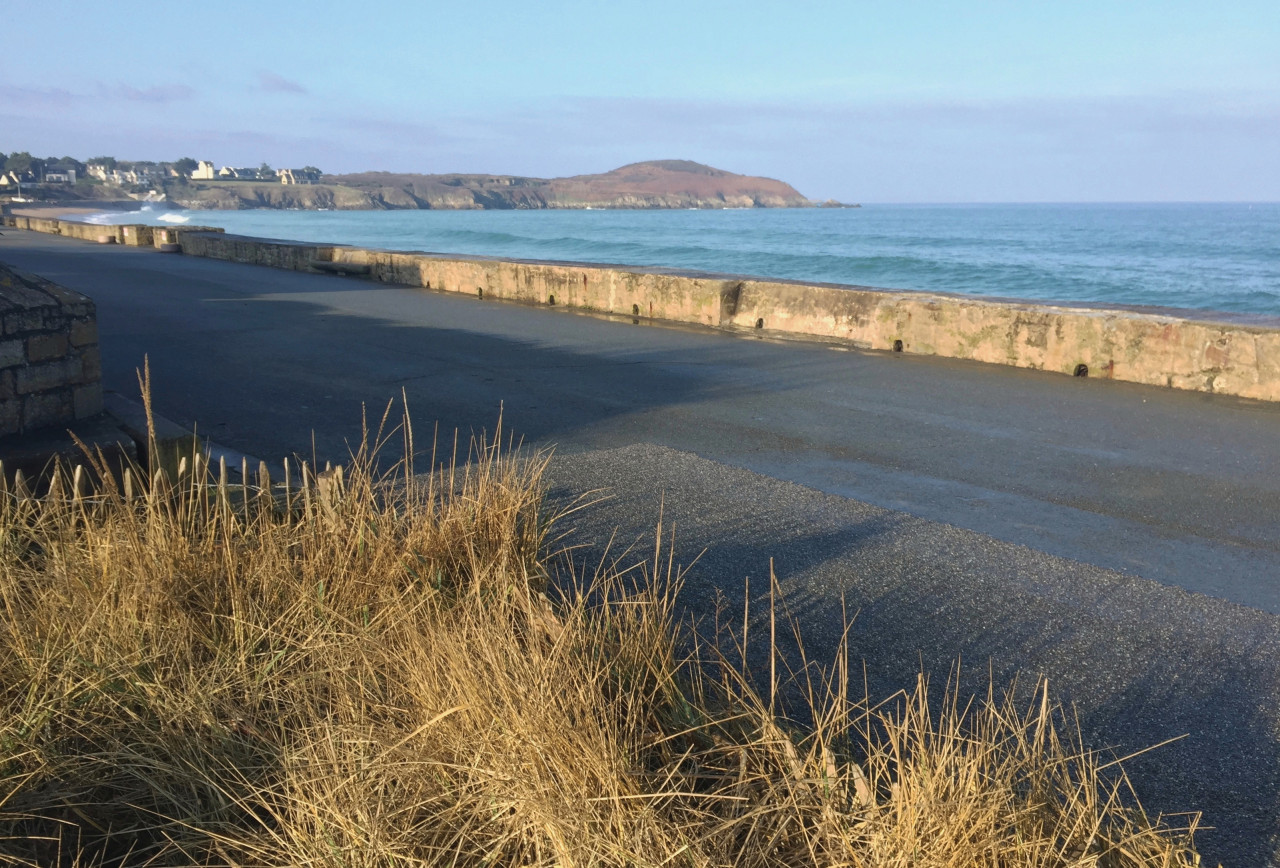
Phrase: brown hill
[655,184]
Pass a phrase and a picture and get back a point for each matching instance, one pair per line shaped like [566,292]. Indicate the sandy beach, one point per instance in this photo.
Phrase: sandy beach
[59,210]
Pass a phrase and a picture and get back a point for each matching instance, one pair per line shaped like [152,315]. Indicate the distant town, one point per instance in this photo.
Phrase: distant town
[23,176]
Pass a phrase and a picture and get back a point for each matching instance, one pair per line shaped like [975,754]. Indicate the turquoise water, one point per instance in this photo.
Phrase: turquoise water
[1215,257]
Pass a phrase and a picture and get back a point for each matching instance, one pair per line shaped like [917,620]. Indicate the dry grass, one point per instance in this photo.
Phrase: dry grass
[369,671]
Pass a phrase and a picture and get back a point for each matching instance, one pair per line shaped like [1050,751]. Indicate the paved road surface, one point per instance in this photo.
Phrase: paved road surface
[1120,539]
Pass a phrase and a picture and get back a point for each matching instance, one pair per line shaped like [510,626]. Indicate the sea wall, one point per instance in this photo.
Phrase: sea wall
[134,235]
[1183,349]
[50,367]
[253,251]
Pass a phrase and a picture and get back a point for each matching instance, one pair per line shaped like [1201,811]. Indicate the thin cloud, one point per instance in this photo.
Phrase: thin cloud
[40,96]
[272,83]
[160,93]
[1077,124]
[45,97]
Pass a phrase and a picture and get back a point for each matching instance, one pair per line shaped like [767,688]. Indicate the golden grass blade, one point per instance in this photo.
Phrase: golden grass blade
[393,670]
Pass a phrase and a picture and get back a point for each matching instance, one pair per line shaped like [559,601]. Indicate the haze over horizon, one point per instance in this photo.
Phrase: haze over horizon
[934,102]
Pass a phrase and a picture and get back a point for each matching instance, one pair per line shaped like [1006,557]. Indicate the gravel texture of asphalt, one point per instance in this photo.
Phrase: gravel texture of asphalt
[1140,662]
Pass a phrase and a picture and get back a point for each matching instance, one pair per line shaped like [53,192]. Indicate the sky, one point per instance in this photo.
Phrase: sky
[908,101]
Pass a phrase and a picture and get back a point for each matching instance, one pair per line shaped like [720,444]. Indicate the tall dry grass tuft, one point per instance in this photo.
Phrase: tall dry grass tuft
[357,667]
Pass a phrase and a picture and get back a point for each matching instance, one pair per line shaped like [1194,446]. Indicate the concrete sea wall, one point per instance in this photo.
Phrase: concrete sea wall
[134,235]
[1182,349]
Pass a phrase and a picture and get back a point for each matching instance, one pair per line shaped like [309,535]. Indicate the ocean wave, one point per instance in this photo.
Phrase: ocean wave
[103,218]
[147,214]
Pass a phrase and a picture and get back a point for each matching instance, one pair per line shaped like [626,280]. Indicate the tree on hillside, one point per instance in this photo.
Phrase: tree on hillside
[22,161]
[108,163]
[185,167]
[312,169]
[265,171]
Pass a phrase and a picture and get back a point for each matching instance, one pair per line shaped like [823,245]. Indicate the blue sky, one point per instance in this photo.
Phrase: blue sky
[861,101]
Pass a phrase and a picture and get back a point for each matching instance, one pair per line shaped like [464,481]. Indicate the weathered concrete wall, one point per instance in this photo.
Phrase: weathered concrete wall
[35,224]
[91,232]
[50,367]
[1177,348]
[132,234]
[214,244]
[624,291]
[1210,352]
[138,236]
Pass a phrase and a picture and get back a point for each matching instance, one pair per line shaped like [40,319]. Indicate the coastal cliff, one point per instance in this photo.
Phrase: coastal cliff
[655,184]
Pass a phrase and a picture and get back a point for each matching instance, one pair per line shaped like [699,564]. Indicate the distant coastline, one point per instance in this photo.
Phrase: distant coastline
[653,185]
[660,184]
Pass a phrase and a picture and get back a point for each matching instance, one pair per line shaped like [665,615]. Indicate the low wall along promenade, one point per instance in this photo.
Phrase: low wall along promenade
[1183,349]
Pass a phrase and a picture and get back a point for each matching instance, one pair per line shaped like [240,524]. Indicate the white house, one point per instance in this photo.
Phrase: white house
[136,175]
[297,176]
[230,173]
[204,171]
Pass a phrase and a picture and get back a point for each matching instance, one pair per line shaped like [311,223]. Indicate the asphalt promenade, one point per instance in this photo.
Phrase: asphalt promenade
[1121,540]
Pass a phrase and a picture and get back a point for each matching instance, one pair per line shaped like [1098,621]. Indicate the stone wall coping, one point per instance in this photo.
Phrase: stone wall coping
[50,364]
[22,291]
[229,236]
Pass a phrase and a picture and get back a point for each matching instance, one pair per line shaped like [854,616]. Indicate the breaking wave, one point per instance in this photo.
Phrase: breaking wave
[147,214]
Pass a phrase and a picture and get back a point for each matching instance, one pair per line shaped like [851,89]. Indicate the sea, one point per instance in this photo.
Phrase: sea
[1223,257]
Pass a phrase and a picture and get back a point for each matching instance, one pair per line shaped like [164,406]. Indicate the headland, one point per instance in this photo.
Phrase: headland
[656,184]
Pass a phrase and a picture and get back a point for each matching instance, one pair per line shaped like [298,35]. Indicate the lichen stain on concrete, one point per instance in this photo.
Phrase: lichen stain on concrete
[1032,331]
[1218,354]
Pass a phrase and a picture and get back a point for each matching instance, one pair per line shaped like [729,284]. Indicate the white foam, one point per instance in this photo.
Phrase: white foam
[146,214]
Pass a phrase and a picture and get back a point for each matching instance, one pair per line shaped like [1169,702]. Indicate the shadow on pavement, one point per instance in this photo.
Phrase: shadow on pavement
[270,379]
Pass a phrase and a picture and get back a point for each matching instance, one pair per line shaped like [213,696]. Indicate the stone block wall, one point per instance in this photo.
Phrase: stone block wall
[50,366]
